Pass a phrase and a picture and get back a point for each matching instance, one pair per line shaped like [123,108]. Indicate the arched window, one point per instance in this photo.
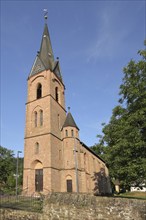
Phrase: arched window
[59,121]
[72,132]
[39,91]
[41,117]
[35,119]
[36,148]
[59,154]
[56,94]
[66,133]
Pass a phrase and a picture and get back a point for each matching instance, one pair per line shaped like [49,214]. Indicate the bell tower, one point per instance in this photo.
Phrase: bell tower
[45,116]
[54,157]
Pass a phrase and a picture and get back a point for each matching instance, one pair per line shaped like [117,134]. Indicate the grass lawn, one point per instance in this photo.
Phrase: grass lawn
[133,195]
[21,203]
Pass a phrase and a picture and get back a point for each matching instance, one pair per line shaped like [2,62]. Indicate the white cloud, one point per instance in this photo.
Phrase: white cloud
[110,36]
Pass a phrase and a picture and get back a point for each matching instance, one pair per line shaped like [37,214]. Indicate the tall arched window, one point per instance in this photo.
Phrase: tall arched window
[72,132]
[58,121]
[41,117]
[66,133]
[56,94]
[59,154]
[35,119]
[39,91]
[36,148]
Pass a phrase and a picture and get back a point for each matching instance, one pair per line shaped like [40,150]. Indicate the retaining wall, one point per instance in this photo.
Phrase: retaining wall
[82,207]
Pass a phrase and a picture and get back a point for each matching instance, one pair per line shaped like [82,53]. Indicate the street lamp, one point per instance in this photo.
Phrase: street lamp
[76,166]
[18,152]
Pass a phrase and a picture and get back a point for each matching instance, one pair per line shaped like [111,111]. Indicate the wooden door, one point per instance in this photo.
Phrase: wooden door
[69,185]
[39,180]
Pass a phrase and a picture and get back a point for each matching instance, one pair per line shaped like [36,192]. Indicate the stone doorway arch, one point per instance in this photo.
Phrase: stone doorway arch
[69,187]
[38,168]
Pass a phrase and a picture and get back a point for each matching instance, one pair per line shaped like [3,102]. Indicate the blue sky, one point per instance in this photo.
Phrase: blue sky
[94,41]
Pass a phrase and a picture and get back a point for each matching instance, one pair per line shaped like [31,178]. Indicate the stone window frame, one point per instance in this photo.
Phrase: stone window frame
[38,118]
[72,132]
[56,94]
[39,91]
[37,148]
[66,133]
[35,119]
[41,117]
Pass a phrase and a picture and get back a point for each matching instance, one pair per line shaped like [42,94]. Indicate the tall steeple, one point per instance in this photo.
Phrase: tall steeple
[46,52]
[45,58]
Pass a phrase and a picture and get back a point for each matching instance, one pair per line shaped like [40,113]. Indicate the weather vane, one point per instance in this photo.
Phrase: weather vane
[45,14]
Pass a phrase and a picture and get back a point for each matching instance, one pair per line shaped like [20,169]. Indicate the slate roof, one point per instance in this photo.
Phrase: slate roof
[46,52]
[69,121]
[45,58]
[57,70]
[37,67]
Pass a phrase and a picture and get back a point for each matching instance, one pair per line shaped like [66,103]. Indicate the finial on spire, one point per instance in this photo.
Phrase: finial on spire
[68,109]
[45,14]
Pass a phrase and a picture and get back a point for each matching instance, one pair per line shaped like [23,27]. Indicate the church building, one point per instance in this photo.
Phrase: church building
[55,160]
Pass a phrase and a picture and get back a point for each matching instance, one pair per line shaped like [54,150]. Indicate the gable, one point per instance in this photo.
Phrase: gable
[37,67]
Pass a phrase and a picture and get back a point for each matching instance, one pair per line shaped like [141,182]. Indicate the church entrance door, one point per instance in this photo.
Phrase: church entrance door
[39,180]
[69,185]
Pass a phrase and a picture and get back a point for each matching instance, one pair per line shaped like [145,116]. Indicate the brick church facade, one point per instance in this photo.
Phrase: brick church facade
[54,157]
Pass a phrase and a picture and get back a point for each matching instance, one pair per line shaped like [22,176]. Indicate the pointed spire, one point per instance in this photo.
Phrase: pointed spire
[45,58]
[46,52]
[69,121]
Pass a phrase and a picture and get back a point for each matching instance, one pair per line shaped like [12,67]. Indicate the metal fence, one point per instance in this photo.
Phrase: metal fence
[28,203]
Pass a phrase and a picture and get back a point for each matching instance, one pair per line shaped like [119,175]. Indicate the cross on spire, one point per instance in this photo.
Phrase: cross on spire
[45,14]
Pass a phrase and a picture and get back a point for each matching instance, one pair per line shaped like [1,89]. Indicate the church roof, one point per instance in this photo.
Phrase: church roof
[45,58]
[57,69]
[46,52]
[37,67]
[69,121]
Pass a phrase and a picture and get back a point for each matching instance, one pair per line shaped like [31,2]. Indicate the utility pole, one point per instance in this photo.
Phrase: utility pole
[17,172]
[76,166]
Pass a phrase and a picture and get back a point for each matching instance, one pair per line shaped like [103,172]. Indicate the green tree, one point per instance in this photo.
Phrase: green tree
[6,164]
[8,170]
[124,137]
